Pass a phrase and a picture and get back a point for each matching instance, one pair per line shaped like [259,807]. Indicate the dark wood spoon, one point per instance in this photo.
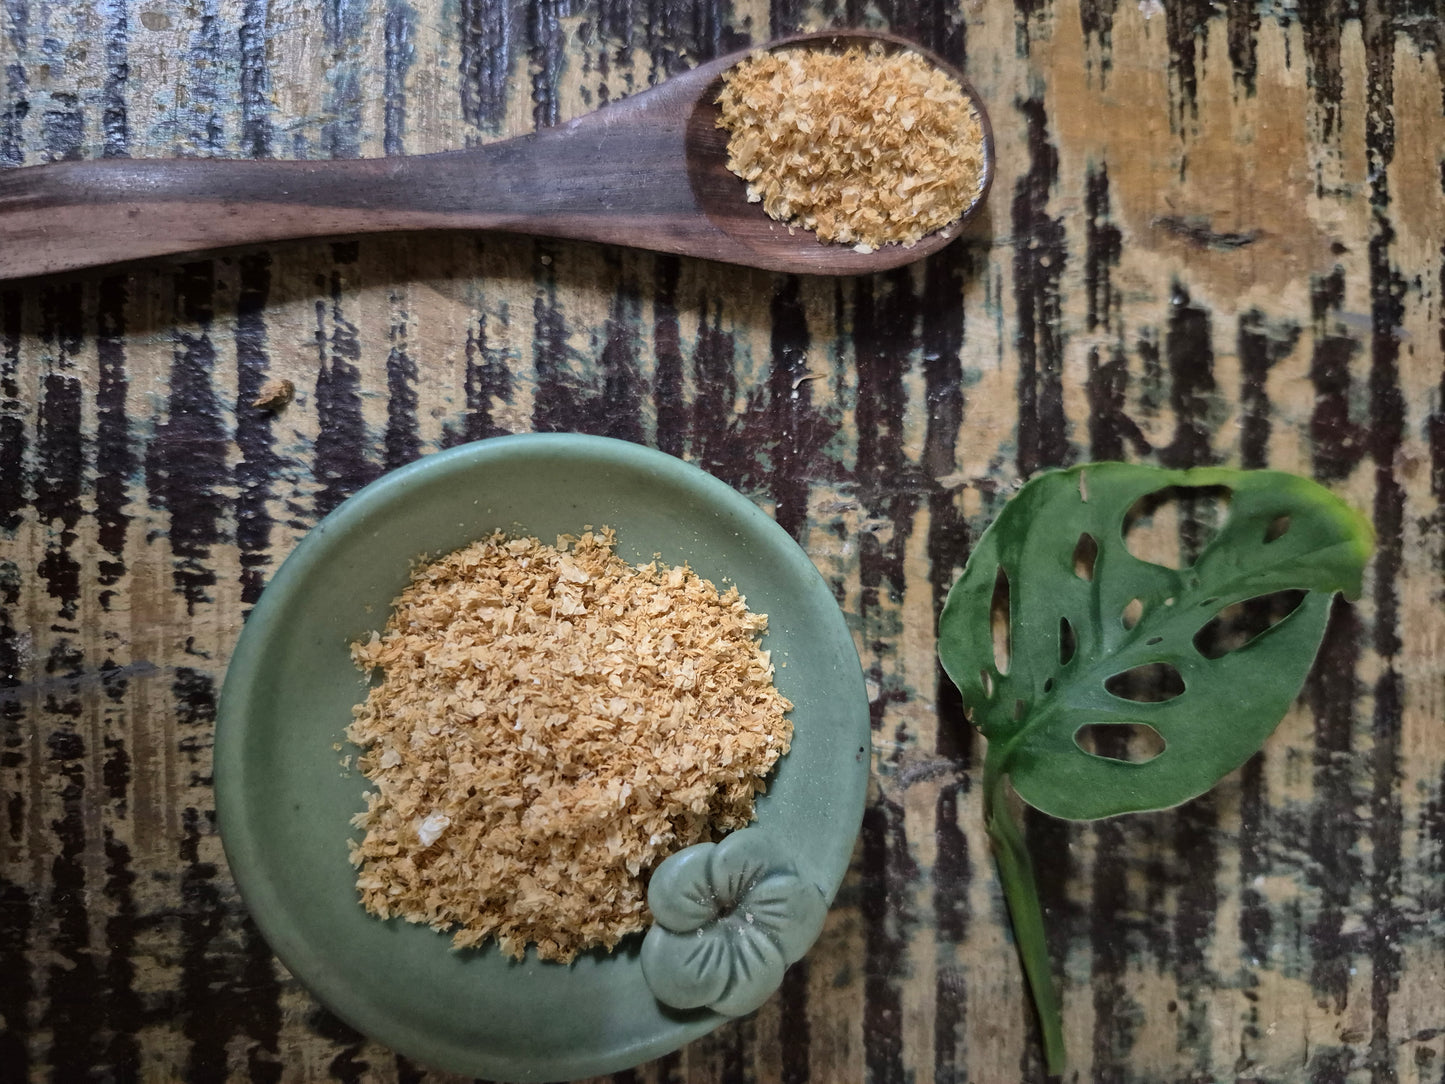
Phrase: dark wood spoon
[649,171]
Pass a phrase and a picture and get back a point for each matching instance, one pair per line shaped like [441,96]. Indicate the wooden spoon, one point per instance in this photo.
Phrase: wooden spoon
[649,171]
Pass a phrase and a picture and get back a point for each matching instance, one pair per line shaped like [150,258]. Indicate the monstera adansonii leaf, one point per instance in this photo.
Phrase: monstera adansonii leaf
[1084,616]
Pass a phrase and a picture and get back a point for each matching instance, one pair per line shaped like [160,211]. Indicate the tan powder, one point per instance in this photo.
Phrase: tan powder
[864,148]
[551,723]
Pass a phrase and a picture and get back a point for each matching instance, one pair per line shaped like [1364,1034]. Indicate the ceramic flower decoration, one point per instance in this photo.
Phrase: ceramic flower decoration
[729,918]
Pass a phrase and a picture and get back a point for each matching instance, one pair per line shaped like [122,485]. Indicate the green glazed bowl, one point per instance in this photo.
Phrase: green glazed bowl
[285,800]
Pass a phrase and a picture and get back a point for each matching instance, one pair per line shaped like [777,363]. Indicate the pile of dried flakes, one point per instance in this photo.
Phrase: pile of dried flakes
[550,724]
[863,148]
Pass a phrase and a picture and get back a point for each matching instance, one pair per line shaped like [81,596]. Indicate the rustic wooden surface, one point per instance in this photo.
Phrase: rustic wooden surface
[1215,235]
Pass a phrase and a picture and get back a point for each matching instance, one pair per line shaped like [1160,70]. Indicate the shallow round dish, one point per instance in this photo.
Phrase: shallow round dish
[285,800]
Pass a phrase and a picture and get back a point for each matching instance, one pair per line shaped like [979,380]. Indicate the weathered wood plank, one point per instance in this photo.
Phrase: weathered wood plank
[1215,236]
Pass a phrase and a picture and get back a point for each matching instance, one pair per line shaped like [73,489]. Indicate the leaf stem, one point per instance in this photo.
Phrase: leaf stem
[1016,872]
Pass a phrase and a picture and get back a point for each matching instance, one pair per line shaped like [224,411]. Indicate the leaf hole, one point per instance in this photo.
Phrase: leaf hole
[1238,624]
[1084,486]
[1153,641]
[1171,526]
[986,680]
[998,618]
[1277,528]
[1132,613]
[1152,683]
[1048,685]
[1019,708]
[1132,743]
[1068,644]
[1086,553]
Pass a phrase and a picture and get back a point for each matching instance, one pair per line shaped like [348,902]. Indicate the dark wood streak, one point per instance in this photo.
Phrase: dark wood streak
[1334,870]
[1192,396]
[942,333]
[623,388]
[719,443]
[952,874]
[13,429]
[186,462]
[798,435]
[63,128]
[1116,1014]
[398,63]
[403,439]
[17,24]
[342,464]
[1338,437]
[114,117]
[1111,428]
[1186,24]
[17,895]
[1387,424]
[795,1034]
[1195,833]
[1242,32]
[227,985]
[1192,391]
[1039,257]
[485,34]
[546,55]
[12,118]
[786,16]
[258,1007]
[204,105]
[669,403]
[17,909]
[349,1064]
[1198,232]
[114,458]
[556,406]
[1261,344]
[59,453]
[60,466]
[888,919]
[1321,25]
[255,81]
[488,377]
[259,461]
[122,1011]
[1097,19]
[885,338]
[343,24]
[203,983]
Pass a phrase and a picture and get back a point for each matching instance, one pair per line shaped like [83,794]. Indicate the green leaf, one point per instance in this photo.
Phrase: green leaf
[1033,714]
[1083,614]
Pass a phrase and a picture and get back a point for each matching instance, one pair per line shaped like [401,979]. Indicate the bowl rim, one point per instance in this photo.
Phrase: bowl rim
[242,848]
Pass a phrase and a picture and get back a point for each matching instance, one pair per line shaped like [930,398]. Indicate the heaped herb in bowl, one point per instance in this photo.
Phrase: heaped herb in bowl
[1109,684]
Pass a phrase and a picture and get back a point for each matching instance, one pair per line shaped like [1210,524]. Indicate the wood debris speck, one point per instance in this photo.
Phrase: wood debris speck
[274,395]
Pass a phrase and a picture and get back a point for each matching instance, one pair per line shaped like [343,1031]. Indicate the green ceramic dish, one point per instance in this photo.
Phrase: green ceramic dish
[285,801]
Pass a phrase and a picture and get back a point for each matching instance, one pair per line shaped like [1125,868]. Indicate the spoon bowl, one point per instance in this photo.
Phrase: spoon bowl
[649,171]
[721,195]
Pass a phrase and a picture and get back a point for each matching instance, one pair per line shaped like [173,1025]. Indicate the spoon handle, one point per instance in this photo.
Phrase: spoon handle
[607,177]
